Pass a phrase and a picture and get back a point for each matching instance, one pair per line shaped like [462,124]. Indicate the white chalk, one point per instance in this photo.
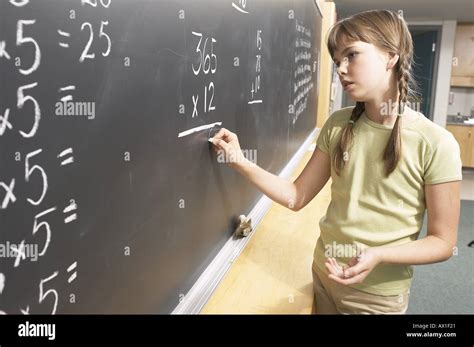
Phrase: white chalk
[200,128]
[211,140]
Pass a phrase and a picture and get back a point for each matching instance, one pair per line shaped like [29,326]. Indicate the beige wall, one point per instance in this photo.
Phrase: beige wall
[325,77]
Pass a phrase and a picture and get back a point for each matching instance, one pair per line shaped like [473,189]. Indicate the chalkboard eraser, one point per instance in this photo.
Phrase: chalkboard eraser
[245,226]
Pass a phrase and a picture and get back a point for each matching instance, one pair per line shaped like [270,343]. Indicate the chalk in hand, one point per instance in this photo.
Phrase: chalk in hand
[213,131]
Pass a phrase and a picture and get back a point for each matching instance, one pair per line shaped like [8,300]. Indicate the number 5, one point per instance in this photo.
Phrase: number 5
[213,69]
[28,173]
[21,40]
[37,226]
[21,99]
[101,33]
[42,295]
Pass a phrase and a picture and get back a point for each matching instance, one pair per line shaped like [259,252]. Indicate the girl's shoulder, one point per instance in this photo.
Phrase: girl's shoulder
[340,117]
[434,134]
[342,114]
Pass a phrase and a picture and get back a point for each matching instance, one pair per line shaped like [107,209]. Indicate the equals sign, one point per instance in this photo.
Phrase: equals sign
[72,267]
[67,155]
[72,207]
[65,89]
[64,34]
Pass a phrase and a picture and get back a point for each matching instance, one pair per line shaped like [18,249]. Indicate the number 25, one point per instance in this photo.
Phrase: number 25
[85,54]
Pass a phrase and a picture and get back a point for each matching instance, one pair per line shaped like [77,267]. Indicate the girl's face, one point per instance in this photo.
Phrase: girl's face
[365,71]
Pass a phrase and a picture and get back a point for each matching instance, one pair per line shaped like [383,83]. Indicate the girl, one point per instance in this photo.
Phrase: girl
[388,163]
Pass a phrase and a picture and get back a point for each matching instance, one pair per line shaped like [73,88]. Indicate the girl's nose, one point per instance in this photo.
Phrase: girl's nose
[342,68]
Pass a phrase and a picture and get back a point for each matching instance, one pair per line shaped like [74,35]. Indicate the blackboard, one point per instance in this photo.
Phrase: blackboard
[111,199]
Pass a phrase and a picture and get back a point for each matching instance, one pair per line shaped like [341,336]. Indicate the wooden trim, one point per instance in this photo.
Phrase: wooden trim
[325,77]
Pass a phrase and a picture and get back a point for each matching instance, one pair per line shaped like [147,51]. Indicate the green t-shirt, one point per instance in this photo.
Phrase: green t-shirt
[367,209]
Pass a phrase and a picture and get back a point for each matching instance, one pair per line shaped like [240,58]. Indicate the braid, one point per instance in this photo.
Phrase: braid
[393,149]
[340,155]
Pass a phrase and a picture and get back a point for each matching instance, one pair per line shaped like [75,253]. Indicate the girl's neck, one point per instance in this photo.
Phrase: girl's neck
[384,109]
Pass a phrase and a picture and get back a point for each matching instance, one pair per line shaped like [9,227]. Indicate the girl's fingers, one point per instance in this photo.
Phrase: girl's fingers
[347,274]
[352,280]
[334,267]
[221,144]
[224,134]
[340,280]
[220,133]
[353,261]
[356,269]
[335,264]
[330,268]
[328,265]
[332,262]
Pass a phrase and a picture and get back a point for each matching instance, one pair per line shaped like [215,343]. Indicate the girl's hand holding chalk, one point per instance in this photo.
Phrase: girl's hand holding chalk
[226,144]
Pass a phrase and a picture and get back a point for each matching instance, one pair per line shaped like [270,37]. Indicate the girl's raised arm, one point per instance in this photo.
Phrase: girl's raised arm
[293,195]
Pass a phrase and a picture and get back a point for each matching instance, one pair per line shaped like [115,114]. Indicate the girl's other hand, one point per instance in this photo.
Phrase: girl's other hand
[356,270]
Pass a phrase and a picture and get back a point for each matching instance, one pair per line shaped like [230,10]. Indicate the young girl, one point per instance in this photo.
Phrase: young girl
[388,163]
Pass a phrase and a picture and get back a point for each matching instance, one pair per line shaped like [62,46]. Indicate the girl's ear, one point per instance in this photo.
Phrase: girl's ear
[392,61]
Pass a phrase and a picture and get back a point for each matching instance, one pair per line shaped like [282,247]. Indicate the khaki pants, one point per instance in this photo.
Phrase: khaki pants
[331,297]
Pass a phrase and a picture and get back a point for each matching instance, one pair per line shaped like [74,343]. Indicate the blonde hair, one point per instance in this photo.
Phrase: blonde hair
[389,32]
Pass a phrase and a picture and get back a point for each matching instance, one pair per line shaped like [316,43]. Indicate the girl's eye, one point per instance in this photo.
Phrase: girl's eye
[346,58]
[352,55]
